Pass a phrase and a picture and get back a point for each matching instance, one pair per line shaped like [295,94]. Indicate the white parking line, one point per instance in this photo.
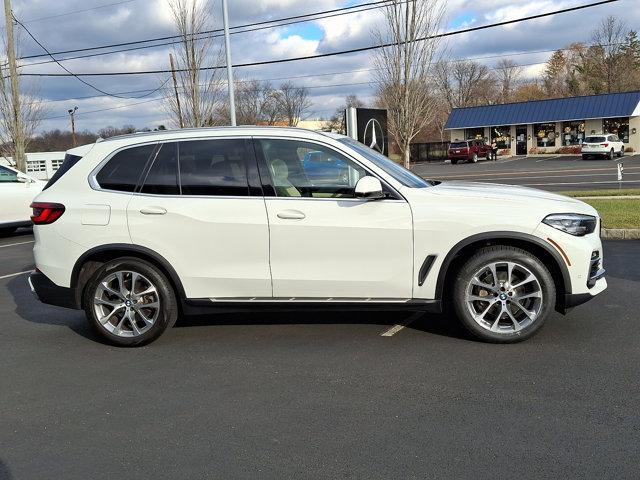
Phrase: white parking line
[396,328]
[15,274]
[14,244]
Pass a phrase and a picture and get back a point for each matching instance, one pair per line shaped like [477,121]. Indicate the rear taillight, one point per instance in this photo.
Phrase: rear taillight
[45,212]
[605,145]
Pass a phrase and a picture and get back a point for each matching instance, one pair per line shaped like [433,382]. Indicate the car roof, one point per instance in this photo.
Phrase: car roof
[160,135]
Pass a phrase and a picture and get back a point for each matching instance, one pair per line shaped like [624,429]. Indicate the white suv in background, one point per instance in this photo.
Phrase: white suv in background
[606,145]
[17,191]
[139,229]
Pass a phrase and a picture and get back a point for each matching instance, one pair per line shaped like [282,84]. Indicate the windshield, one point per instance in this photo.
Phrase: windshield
[401,174]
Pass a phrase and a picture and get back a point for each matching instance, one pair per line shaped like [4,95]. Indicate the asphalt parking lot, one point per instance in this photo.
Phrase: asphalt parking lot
[558,173]
[318,394]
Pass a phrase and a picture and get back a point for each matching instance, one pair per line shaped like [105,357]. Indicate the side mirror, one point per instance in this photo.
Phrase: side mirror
[369,188]
[22,178]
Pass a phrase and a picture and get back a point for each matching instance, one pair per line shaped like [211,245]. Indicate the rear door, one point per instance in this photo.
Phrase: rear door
[15,196]
[200,206]
[324,242]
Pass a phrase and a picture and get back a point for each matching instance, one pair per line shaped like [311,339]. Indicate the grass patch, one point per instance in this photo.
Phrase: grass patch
[618,213]
[612,192]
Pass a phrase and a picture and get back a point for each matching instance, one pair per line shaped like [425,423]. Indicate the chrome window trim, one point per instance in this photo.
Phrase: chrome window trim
[349,155]
[93,183]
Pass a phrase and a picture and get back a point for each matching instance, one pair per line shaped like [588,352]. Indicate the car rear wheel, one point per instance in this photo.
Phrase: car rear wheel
[130,302]
[454,162]
[488,157]
[474,158]
[503,294]
[585,157]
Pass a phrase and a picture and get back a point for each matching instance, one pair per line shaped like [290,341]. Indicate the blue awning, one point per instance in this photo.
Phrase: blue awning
[540,111]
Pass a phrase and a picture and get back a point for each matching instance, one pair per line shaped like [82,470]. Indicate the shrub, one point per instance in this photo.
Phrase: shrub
[573,149]
[534,150]
[629,150]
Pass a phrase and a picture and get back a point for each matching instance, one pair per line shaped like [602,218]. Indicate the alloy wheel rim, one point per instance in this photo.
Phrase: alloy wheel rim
[504,297]
[126,303]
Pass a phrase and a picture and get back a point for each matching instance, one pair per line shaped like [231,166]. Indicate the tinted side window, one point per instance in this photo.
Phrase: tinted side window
[214,167]
[69,161]
[304,169]
[163,174]
[123,171]
[8,176]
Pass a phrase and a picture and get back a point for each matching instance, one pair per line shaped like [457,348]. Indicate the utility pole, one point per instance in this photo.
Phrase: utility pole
[227,46]
[18,132]
[72,113]
[175,89]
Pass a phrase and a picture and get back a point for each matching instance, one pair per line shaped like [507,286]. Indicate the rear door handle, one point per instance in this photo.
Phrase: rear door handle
[291,215]
[153,211]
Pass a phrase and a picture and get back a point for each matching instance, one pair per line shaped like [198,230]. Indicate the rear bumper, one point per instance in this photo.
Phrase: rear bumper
[48,292]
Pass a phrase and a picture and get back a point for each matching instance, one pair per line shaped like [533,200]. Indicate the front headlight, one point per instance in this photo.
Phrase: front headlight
[572,223]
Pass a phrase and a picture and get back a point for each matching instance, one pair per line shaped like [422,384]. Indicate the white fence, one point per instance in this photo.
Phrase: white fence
[41,165]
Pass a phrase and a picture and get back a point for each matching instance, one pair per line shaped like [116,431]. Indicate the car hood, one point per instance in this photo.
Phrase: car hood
[512,194]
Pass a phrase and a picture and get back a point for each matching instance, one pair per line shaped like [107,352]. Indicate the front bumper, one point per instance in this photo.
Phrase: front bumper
[48,292]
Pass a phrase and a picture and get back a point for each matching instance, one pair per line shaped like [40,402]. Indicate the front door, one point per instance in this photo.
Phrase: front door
[201,207]
[521,140]
[324,242]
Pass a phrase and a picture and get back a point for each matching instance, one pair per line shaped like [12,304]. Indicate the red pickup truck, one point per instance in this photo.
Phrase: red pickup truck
[469,151]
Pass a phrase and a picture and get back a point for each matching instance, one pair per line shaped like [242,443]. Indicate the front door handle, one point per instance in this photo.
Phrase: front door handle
[153,211]
[291,215]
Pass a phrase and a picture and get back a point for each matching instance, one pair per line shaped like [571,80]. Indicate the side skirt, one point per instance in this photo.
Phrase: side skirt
[200,306]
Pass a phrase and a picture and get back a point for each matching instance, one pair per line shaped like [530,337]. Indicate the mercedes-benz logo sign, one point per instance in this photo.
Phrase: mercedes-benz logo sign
[374,135]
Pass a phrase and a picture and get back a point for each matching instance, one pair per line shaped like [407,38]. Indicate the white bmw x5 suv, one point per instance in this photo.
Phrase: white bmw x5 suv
[139,229]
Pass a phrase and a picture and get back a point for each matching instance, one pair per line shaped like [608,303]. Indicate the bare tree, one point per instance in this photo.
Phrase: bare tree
[199,91]
[403,67]
[256,103]
[607,46]
[464,83]
[31,113]
[508,74]
[336,123]
[293,103]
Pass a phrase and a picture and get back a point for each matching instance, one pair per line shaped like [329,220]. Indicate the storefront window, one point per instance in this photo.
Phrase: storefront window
[619,126]
[474,134]
[502,136]
[572,133]
[545,134]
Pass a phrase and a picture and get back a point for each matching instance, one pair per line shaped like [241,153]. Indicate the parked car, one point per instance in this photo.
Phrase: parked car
[139,229]
[606,145]
[17,191]
[469,151]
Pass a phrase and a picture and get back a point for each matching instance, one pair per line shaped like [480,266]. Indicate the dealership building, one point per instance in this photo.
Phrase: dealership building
[550,126]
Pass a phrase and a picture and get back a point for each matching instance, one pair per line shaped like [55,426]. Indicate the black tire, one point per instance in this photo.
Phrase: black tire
[488,157]
[167,312]
[8,231]
[454,162]
[621,152]
[499,254]
[611,154]
[474,158]
[585,157]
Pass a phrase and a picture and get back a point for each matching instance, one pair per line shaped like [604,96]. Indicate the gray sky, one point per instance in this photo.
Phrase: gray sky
[131,20]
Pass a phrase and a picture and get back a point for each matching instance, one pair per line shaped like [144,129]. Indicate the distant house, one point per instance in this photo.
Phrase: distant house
[40,165]
[548,125]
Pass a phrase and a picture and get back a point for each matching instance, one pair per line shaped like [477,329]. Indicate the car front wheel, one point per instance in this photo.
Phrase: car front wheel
[130,302]
[474,159]
[621,152]
[611,154]
[503,294]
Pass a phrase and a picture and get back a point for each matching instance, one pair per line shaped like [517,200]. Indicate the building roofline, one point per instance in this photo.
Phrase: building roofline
[545,100]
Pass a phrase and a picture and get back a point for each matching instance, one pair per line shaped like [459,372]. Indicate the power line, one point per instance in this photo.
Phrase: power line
[290,20]
[73,74]
[106,109]
[342,52]
[72,12]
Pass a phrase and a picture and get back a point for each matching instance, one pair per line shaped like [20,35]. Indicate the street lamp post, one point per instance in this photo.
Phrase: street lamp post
[227,46]
[72,112]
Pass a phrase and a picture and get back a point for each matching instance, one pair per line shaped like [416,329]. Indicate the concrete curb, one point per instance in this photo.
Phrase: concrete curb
[620,233]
